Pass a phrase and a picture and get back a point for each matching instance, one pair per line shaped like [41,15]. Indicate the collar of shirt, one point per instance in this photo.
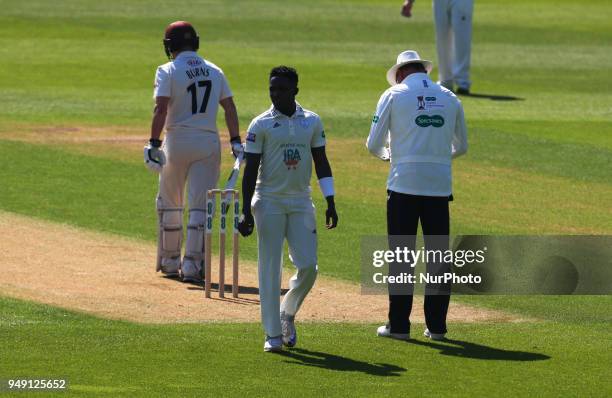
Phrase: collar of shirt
[183,54]
[299,112]
[413,77]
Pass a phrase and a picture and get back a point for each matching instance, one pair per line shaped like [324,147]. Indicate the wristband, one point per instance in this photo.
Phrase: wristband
[327,186]
[236,139]
[155,143]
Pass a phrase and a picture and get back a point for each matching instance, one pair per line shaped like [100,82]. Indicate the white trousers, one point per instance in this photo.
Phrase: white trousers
[278,219]
[192,157]
[453,20]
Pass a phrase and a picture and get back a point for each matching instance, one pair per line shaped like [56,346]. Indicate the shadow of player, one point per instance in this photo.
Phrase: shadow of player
[215,286]
[493,97]
[464,349]
[228,288]
[328,361]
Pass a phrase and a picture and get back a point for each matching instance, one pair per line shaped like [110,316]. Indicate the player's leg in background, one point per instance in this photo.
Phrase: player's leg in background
[436,225]
[170,208]
[442,22]
[402,223]
[302,240]
[203,175]
[271,223]
[461,21]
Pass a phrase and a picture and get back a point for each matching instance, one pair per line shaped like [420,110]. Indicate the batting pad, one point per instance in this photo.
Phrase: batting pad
[194,247]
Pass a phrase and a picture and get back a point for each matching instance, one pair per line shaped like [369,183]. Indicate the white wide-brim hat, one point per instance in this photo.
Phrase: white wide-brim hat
[405,58]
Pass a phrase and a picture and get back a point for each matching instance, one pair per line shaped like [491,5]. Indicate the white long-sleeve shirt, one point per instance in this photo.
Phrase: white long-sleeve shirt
[423,126]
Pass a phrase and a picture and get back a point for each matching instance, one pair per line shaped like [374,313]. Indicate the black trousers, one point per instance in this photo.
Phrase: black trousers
[403,215]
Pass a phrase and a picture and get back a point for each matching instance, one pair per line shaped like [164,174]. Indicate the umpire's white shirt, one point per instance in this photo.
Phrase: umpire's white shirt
[195,87]
[424,126]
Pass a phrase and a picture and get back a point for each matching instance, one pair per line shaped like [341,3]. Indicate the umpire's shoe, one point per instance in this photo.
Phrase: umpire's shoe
[191,271]
[434,336]
[385,331]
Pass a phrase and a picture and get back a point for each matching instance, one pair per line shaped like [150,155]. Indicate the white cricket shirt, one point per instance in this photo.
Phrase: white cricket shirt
[195,87]
[285,144]
[424,126]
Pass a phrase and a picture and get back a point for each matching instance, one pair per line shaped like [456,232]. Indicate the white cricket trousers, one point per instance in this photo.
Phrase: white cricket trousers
[453,20]
[278,219]
[192,157]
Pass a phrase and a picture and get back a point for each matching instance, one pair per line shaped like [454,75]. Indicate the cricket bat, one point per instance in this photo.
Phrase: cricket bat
[233,177]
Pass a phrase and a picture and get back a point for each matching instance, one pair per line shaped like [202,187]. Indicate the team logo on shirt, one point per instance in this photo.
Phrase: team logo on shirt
[291,157]
[276,124]
[421,102]
[251,137]
[425,103]
[375,119]
[426,121]
[304,123]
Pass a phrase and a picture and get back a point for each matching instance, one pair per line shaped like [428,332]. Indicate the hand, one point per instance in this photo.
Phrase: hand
[246,224]
[331,217]
[237,147]
[154,157]
[407,8]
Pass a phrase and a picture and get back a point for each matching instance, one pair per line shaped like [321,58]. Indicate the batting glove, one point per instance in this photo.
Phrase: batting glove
[237,147]
[154,157]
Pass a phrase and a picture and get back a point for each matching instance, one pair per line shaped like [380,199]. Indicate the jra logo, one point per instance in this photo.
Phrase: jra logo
[291,158]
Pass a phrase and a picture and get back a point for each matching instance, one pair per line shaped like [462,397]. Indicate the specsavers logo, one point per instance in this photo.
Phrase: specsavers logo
[426,121]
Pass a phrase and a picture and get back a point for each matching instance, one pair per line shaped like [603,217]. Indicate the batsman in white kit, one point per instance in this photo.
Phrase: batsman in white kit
[188,92]
[281,145]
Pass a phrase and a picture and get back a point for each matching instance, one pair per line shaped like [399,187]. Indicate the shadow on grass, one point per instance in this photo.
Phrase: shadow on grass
[338,363]
[464,349]
[493,97]
[215,286]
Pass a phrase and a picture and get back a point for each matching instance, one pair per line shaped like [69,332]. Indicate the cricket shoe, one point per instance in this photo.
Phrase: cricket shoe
[170,266]
[273,344]
[385,331]
[434,336]
[191,271]
[288,329]
[446,84]
[462,91]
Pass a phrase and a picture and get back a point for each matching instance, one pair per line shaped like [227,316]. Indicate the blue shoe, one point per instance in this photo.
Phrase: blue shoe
[273,344]
[288,329]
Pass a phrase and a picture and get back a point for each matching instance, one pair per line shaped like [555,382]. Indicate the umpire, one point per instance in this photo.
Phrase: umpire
[419,127]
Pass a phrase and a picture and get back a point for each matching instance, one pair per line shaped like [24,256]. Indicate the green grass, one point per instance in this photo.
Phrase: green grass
[539,164]
[102,356]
